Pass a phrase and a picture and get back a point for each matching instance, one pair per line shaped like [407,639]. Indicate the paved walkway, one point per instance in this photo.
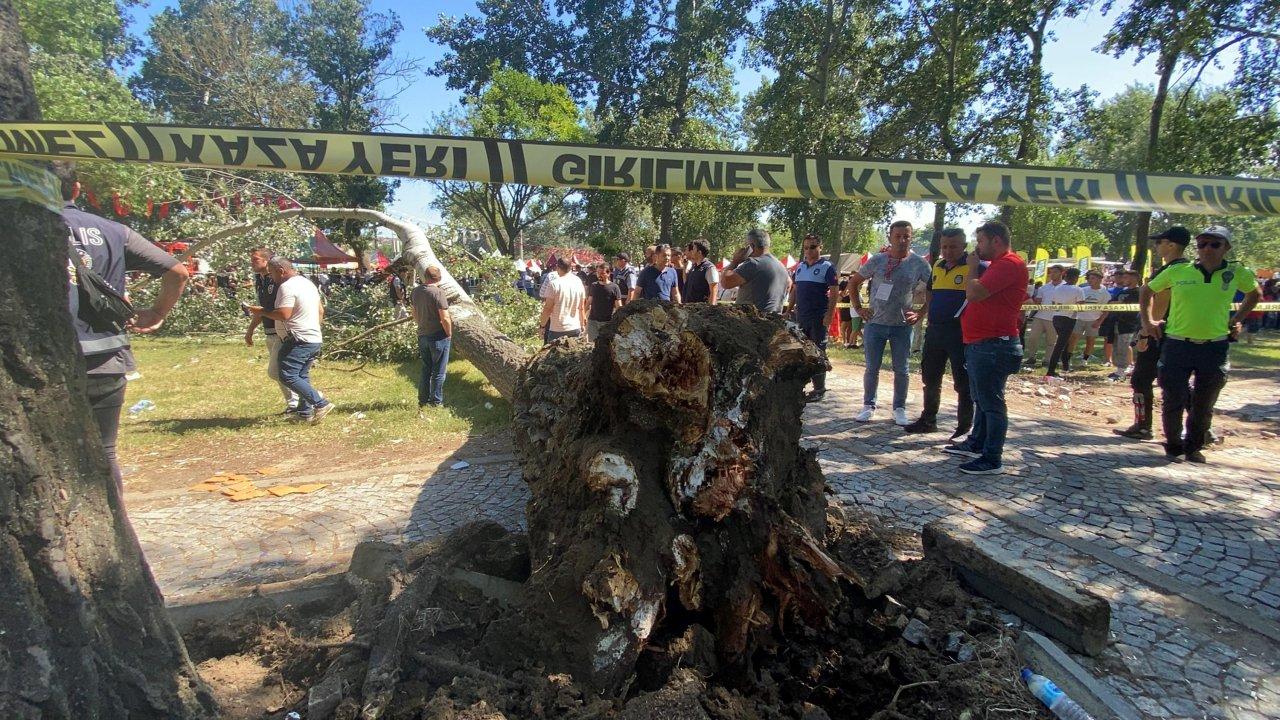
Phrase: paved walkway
[1188,556]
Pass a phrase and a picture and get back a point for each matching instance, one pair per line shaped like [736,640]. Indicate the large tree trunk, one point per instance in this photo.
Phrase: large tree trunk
[670,492]
[495,355]
[83,630]
[1142,229]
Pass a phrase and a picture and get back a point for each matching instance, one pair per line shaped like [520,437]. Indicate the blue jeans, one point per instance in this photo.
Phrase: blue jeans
[434,350]
[814,327]
[874,336]
[990,363]
[295,372]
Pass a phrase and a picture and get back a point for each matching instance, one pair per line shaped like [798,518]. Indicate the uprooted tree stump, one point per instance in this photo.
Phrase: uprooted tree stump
[681,560]
[671,495]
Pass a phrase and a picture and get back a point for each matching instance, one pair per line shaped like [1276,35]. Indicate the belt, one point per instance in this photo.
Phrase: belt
[1195,341]
[1002,338]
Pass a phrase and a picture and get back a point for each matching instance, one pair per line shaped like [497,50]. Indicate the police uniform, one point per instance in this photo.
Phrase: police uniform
[812,285]
[1146,364]
[109,249]
[943,343]
[1196,342]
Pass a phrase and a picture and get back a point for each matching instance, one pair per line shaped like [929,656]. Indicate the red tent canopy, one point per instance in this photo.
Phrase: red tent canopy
[324,252]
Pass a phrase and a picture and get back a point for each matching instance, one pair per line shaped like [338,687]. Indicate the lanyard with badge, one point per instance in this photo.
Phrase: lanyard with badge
[884,291]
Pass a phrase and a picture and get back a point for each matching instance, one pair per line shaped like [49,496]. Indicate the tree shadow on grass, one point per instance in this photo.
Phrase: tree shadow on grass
[464,396]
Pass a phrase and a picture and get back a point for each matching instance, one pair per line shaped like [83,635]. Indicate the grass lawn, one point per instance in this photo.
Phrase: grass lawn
[213,397]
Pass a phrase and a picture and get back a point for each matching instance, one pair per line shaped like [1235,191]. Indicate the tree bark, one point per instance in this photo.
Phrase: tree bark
[670,493]
[83,629]
[1142,228]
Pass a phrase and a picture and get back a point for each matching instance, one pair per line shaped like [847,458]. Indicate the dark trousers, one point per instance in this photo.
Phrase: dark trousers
[434,351]
[1179,361]
[1061,352]
[106,398]
[295,371]
[553,335]
[814,328]
[990,364]
[943,343]
[1146,367]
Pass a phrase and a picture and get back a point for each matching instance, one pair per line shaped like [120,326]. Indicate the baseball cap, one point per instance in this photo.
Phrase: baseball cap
[1216,231]
[1177,234]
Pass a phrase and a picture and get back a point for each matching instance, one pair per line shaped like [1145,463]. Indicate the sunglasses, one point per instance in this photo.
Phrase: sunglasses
[1215,244]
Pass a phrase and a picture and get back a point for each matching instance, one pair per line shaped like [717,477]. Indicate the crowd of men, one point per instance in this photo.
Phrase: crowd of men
[972,303]
[971,307]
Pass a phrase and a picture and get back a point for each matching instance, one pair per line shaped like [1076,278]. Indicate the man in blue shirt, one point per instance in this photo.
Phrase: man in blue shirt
[943,339]
[658,280]
[814,292]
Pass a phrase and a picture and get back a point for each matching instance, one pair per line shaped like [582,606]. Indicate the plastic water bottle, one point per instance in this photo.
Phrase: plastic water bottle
[1053,698]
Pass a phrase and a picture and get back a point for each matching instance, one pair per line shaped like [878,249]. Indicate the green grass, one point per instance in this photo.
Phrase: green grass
[217,391]
[1262,353]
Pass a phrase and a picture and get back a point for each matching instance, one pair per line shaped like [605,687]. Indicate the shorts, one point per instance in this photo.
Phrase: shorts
[845,315]
[1085,328]
[855,323]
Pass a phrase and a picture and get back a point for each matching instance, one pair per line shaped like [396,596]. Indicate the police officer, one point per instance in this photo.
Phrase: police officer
[110,249]
[815,292]
[1171,246]
[1197,337]
[943,340]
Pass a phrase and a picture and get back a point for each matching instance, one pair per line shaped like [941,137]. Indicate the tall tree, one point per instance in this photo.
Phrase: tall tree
[347,51]
[1190,36]
[83,629]
[77,50]
[964,84]
[836,64]
[655,71]
[513,106]
[217,62]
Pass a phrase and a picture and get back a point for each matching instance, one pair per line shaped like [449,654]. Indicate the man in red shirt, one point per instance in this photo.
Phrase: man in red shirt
[994,293]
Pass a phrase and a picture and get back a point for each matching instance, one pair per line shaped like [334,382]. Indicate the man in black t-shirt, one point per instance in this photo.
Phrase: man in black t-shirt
[1124,324]
[266,290]
[604,297]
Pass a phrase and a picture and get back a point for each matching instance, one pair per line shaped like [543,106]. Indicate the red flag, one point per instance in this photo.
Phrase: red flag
[190,205]
[150,206]
[118,205]
[282,203]
[93,199]
[164,210]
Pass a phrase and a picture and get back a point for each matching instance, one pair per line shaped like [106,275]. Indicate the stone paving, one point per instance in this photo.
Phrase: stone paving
[1188,556]
[201,544]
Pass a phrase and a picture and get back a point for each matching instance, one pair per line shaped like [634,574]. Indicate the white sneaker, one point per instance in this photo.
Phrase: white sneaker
[867,412]
[900,416]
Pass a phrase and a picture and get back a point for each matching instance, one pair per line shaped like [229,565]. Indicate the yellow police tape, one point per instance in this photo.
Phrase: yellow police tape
[702,172]
[30,182]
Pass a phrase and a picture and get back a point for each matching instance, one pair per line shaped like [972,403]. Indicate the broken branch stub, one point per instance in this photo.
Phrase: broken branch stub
[669,491]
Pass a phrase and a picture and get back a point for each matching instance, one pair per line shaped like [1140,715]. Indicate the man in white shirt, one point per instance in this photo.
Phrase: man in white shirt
[298,313]
[1064,321]
[1088,321]
[1040,328]
[564,307]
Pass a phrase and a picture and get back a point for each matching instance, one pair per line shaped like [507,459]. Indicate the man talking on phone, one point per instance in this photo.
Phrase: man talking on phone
[760,278]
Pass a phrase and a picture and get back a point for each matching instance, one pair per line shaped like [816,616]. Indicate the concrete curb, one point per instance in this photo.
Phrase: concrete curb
[1045,658]
[266,598]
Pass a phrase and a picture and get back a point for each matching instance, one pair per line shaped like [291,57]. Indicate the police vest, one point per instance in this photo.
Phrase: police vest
[101,244]
[696,287]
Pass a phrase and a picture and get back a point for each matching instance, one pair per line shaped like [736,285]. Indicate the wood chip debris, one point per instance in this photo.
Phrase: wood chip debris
[238,488]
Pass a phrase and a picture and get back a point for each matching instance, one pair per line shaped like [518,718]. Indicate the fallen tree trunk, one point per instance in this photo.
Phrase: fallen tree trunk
[494,354]
[671,497]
